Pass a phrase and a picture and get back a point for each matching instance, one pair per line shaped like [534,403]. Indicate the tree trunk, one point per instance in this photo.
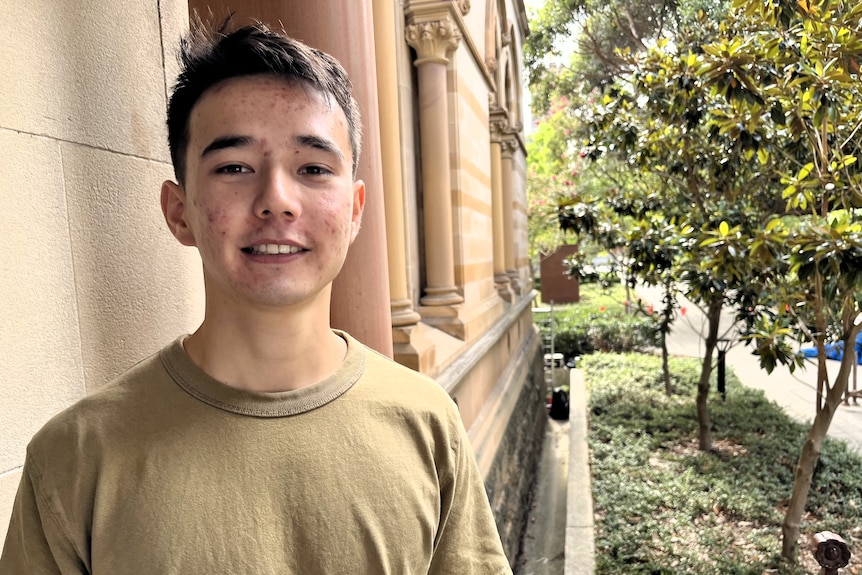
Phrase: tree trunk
[811,450]
[704,424]
[628,297]
[668,389]
[667,314]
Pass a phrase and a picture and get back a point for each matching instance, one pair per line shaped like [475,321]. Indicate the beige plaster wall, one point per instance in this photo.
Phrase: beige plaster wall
[40,347]
[135,284]
[91,280]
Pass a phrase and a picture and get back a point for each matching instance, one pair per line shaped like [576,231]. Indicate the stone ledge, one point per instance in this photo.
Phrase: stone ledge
[580,534]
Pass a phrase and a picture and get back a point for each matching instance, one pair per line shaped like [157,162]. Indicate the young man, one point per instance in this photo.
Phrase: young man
[265,442]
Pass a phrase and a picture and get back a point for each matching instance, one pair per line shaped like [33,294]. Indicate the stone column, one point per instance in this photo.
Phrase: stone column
[410,344]
[498,124]
[401,305]
[434,36]
[509,145]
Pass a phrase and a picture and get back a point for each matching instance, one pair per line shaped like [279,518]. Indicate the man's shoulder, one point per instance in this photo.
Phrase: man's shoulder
[107,406]
[379,362]
[384,371]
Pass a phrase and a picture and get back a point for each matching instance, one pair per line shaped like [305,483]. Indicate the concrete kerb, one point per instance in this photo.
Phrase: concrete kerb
[580,544]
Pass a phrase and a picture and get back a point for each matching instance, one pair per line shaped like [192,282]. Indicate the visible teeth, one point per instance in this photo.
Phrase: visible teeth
[273,249]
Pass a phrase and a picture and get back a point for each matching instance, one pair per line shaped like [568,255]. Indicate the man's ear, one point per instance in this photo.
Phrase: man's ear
[174,210]
[358,207]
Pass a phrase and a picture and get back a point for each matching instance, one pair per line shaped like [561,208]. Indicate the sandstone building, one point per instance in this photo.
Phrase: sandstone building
[92,281]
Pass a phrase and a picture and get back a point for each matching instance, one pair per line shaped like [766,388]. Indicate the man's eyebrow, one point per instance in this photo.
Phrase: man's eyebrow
[319,143]
[223,142]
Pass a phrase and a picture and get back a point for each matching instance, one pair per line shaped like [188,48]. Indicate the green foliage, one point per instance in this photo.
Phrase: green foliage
[752,128]
[794,73]
[599,323]
[552,169]
[543,228]
[577,45]
[663,506]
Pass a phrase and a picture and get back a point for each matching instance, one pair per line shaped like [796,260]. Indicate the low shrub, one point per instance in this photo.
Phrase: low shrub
[599,322]
[662,506]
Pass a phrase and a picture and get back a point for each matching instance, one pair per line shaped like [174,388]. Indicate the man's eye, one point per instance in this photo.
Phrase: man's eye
[314,170]
[233,169]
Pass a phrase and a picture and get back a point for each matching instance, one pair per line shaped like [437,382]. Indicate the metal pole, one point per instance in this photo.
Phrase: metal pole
[723,344]
[553,361]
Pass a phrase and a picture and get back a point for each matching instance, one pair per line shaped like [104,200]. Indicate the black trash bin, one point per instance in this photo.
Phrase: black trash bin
[559,404]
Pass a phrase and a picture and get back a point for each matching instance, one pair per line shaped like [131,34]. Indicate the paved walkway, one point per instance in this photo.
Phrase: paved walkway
[544,539]
[795,392]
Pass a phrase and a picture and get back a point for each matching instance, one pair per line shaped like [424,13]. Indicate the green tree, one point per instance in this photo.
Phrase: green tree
[714,187]
[795,73]
[577,45]
[754,138]
[644,248]
[551,171]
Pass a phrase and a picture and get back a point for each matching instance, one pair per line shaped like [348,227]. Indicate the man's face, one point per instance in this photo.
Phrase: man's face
[269,199]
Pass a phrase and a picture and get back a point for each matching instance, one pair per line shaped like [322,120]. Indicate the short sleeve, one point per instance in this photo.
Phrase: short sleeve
[34,543]
[467,541]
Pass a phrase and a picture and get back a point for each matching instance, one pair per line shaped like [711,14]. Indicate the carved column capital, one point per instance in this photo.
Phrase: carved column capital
[498,120]
[433,40]
[499,125]
[509,144]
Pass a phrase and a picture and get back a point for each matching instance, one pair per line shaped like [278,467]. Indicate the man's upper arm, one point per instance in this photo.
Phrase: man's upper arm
[468,542]
[35,543]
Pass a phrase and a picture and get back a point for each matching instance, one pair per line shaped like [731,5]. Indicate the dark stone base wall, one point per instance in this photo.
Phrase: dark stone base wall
[510,482]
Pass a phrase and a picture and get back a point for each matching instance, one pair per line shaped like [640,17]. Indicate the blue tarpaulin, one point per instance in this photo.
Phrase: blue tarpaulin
[836,350]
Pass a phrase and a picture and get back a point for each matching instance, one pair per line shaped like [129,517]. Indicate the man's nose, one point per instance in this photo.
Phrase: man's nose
[278,194]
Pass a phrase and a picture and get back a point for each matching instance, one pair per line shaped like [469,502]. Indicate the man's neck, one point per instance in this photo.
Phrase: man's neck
[266,351]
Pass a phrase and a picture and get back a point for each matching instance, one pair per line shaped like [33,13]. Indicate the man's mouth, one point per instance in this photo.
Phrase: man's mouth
[272,249]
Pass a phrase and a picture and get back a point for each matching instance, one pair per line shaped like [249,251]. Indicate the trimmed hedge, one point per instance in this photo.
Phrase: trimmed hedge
[598,323]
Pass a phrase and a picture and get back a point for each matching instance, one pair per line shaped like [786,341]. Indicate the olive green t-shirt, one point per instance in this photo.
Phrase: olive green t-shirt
[168,471]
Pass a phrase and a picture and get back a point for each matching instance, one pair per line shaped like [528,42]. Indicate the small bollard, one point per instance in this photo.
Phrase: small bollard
[830,551]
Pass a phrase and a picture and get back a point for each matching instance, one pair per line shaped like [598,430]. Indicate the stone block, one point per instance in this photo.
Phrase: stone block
[75,76]
[41,351]
[138,288]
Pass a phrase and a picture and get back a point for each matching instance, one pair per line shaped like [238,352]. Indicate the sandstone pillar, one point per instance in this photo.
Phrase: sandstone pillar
[434,36]
[410,346]
[390,144]
[509,146]
[498,124]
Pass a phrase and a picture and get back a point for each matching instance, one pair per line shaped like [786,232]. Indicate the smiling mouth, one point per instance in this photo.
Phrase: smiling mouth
[272,249]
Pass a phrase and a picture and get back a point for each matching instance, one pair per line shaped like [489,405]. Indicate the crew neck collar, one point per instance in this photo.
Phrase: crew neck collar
[197,383]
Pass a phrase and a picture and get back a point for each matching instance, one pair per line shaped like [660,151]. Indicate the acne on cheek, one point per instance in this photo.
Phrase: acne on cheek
[214,219]
[336,226]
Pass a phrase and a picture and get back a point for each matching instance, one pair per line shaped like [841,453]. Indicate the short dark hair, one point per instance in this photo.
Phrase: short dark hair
[208,57]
